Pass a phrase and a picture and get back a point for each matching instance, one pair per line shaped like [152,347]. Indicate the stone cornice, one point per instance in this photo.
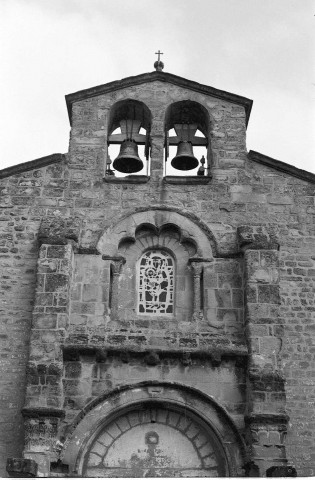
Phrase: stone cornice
[281,166]
[162,77]
[240,352]
[32,165]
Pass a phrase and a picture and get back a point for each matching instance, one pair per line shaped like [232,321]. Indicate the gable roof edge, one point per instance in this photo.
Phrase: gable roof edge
[32,164]
[281,166]
[162,77]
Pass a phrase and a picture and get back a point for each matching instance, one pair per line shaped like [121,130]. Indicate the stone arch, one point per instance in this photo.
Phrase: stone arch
[188,111]
[191,230]
[129,108]
[214,437]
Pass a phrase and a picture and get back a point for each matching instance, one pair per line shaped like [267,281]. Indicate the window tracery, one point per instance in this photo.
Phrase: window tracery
[156,283]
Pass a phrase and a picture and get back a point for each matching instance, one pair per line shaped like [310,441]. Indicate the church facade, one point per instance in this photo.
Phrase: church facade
[157,308]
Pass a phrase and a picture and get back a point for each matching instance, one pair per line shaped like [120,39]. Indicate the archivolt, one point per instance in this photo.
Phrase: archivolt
[192,231]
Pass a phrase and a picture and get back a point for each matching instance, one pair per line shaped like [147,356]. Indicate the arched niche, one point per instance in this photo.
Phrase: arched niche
[189,231]
[156,278]
[133,431]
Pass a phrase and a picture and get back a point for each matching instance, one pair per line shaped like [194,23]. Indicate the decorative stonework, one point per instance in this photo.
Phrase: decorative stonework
[156,283]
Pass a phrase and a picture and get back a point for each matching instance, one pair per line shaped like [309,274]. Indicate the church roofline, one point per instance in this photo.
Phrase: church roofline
[31,165]
[162,77]
[281,166]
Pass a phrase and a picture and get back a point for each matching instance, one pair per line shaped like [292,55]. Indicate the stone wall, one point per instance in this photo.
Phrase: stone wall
[71,194]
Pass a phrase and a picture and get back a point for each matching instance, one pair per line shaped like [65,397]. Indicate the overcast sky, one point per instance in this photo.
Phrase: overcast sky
[260,49]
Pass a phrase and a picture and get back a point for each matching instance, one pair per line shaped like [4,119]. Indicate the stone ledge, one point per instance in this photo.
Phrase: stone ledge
[37,412]
[129,179]
[267,418]
[21,467]
[199,260]
[189,180]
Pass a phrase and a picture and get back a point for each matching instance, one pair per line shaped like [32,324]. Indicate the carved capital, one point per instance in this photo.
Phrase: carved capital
[116,262]
[58,231]
[21,467]
[258,237]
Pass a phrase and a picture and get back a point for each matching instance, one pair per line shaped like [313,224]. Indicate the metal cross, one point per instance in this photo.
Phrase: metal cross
[159,53]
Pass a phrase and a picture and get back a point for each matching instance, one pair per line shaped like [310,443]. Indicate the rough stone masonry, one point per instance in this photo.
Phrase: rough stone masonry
[146,310]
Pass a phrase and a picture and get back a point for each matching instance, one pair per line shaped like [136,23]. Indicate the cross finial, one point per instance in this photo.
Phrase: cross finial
[159,53]
[159,65]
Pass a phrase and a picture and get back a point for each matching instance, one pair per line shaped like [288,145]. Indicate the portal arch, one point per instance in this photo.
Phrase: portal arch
[151,414]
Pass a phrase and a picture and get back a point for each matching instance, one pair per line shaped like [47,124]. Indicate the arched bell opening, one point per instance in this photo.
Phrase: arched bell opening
[187,149]
[128,139]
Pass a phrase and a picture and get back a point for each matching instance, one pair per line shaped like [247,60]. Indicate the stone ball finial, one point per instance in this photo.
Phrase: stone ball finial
[158,65]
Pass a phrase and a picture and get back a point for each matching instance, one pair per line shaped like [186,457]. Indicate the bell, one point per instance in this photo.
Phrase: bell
[184,159]
[128,160]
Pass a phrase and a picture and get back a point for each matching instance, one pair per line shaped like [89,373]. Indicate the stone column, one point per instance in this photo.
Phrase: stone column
[197,267]
[116,265]
[266,420]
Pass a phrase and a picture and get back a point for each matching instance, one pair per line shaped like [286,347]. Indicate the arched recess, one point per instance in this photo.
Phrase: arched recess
[165,241]
[189,230]
[133,430]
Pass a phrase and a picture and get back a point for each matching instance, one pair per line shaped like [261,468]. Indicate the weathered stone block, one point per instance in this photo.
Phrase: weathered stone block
[55,282]
[268,294]
[44,321]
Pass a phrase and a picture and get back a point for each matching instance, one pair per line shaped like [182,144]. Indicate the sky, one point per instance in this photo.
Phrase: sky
[262,50]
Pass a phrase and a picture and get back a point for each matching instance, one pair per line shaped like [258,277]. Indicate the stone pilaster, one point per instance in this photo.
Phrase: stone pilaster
[44,394]
[266,419]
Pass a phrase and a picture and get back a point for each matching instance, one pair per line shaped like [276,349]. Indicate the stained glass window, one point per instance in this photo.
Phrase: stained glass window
[156,283]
